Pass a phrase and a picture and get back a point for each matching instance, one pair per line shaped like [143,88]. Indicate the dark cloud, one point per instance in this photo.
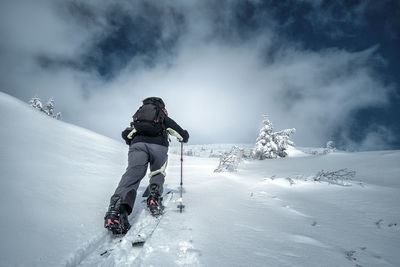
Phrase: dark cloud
[121,34]
[138,31]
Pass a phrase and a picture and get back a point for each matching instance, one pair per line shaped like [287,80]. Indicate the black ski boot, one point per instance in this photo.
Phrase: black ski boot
[116,218]
[154,201]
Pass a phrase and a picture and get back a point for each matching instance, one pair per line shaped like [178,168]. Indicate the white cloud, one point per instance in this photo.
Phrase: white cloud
[220,92]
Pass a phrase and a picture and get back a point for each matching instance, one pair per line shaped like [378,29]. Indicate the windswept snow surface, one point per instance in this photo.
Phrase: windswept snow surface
[56,180]
[55,183]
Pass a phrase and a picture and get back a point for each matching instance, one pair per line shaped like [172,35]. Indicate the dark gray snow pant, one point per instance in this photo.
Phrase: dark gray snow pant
[139,156]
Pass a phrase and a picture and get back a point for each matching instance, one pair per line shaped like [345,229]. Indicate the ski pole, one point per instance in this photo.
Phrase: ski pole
[180,200]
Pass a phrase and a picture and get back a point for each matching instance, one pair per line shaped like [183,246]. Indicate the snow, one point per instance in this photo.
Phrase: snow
[56,180]
[208,150]
[215,150]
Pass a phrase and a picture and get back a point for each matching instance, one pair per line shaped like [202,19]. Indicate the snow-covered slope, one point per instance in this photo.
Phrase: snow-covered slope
[259,219]
[56,180]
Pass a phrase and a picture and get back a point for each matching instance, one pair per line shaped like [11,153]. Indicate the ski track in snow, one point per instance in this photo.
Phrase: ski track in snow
[108,250]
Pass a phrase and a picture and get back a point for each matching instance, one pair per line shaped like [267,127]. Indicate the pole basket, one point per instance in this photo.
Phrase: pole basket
[180,205]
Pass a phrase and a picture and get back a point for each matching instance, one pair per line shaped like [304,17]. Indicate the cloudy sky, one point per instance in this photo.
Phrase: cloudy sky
[328,68]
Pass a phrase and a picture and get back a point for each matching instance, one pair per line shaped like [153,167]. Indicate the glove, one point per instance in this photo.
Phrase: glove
[185,137]
[125,133]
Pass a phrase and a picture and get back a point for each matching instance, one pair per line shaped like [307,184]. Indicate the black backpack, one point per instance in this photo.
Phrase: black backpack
[149,118]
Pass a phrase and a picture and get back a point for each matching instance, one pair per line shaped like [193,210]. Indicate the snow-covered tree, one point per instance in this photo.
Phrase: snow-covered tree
[270,144]
[36,103]
[49,107]
[330,146]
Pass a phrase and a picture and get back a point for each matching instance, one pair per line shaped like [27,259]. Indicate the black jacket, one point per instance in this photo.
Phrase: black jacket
[159,139]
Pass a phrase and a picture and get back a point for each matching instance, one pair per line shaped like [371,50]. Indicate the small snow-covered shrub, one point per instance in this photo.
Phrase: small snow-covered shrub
[339,177]
[214,155]
[57,116]
[342,177]
[230,161]
[270,144]
[189,153]
[323,151]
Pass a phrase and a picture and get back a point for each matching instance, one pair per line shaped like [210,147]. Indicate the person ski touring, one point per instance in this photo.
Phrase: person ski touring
[148,142]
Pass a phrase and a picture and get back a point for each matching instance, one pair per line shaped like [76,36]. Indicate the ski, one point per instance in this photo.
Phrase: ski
[142,230]
[141,238]
[145,232]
